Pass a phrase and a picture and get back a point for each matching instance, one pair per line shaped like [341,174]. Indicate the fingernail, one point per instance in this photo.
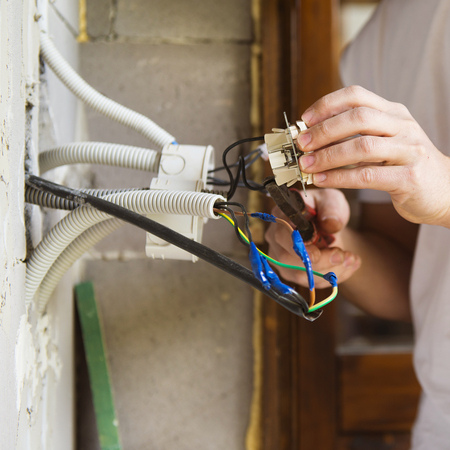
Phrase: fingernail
[334,218]
[319,177]
[336,258]
[304,139]
[306,161]
[307,116]
[331,223]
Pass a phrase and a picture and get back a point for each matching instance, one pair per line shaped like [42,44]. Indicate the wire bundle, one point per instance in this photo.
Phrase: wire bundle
[263,271]
[86,225]
[241,165]
[291,300]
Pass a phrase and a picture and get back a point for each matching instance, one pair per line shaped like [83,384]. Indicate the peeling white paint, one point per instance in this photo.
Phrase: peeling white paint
[35,355]
[25,356]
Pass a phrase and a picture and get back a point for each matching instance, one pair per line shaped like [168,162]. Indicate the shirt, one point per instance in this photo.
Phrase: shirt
[403,55]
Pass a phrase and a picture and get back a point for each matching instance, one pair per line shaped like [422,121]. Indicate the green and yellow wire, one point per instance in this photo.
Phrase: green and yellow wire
[313,306]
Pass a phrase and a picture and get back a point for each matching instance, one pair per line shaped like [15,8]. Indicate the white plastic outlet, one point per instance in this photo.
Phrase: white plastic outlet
[182,168]
[283,156]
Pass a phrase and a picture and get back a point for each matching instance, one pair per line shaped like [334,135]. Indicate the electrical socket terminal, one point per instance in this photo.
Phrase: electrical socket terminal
[284,154]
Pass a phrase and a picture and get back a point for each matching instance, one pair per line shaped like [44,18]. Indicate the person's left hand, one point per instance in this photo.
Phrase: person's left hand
[333,213]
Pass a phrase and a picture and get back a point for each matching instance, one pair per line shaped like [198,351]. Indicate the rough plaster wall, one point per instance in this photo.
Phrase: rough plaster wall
[178,334]
[36,376]
[12,245]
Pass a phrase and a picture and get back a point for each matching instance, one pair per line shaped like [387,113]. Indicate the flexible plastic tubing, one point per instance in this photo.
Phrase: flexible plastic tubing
[97,101]
[71,254]
[82,218]
[49,200]
[100,153]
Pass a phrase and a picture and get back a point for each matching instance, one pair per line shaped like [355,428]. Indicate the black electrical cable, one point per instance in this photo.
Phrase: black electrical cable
[221,205]
[255,186]
[225,205]
[48,200]
[249,160]
[254,155]
[292,301]
[233,184]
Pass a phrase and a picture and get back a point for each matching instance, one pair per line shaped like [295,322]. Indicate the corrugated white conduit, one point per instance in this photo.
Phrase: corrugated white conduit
[71,254]
[100,153]
[84,217]
[48,200]
[97,101]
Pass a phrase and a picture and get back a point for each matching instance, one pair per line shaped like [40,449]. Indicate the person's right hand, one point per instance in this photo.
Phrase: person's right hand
[392,153]
[333,213]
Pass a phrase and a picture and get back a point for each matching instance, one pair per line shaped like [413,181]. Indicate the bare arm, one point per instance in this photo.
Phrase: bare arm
[385,244]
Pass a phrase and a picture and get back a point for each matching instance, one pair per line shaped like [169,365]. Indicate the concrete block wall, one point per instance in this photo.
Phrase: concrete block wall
[178,334]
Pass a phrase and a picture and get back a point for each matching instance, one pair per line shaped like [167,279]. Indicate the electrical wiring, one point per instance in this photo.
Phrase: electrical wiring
[247,183]
[48,200]
[298,247]
[290,300]
[234,180]
[125,156]
[240,235]
[249,160]
[83,217]
[253,156]
[242,213]
[312,307]
[88,215]
[242,168]
[104,105]
[71,254]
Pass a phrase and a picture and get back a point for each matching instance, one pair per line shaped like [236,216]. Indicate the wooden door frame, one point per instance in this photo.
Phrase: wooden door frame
[299,64]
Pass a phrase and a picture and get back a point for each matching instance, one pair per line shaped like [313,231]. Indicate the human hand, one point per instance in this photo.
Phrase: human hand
[393,153]
[333,213]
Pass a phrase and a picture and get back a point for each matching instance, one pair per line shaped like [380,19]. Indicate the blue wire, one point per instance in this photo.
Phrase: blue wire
[300,249]
[257,266]
[274,279]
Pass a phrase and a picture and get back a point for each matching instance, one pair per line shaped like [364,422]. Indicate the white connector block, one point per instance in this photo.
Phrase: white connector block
[284,154]
[182,168]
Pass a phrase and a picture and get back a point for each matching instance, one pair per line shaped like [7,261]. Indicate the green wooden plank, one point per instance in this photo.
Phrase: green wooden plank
[91,329]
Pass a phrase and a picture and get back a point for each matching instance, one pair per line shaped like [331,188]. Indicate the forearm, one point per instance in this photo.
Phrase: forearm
[381,285]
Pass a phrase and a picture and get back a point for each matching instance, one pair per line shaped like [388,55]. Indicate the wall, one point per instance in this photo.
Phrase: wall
[178,334]
[13,243]
[36,352]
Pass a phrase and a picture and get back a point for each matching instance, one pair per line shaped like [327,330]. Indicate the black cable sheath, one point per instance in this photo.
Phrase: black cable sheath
[225,164]
[294,302]
[256,186]
[221,205]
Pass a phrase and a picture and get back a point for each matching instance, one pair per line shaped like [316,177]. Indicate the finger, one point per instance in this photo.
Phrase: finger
[383,178]
[343,100]
[358,151]
[361,120]
[333,210]
[278,235]
[343,264]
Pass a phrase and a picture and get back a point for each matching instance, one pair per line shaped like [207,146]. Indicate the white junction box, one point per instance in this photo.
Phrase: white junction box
[182,168]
